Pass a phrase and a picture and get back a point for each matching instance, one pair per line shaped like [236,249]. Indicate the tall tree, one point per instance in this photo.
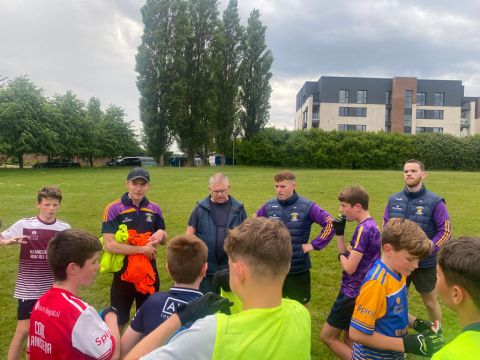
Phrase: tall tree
[227,58]
[193,76]
[153,75]
[255,84]
[92,125]
[22,107]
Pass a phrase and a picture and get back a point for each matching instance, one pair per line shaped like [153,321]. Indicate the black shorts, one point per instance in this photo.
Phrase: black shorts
[297,287]
[122,295]
[424,279]
[341,312]
[25,308]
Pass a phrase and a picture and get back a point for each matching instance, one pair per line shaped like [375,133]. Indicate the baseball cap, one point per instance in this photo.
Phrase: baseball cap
[138,173]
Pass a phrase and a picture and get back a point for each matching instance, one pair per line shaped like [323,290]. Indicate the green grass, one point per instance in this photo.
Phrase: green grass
[87,191]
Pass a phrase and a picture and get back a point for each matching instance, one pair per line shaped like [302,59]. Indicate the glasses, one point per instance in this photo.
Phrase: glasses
[218,192]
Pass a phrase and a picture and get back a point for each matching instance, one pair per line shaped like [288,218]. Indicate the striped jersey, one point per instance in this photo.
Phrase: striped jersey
[63,327]
[34,276]
[380,307]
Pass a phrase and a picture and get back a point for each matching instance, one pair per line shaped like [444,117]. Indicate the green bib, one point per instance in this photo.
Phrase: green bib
[283,332]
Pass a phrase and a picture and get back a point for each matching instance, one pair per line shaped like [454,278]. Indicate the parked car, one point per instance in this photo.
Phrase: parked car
[57,163]
[133,161]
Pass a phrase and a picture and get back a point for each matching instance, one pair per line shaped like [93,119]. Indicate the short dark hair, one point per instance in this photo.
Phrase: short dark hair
[70,246]
[355,194]
[186,255]
[415,161]
[406,235]
[459,260]
[49,192]
[285,175]
[264,244]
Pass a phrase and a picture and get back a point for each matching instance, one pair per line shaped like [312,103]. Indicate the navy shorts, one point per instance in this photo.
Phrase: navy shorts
[342,311]
[25,308]
[297,287]
[424,279]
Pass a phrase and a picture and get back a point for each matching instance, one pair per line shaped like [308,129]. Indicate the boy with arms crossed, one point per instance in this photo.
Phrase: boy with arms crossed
[62,325]
[187,266]
[364,249]
[458,285]
[269,327]
[380,321]
[34,277]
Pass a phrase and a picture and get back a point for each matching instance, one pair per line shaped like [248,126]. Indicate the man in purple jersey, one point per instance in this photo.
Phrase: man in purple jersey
[429,211]
[34,277]
[298,214]
[138,214]
[362,252]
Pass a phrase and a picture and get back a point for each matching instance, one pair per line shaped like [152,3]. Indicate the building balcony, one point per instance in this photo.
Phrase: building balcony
[464,124]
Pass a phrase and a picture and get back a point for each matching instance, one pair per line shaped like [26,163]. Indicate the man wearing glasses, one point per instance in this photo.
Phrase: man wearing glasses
[210,221]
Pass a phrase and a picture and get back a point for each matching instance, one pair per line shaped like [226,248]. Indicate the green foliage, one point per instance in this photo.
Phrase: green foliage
[255,80]
[60,127]
[357,150]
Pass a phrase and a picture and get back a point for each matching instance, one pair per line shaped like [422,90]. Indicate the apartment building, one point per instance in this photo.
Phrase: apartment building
[400,104]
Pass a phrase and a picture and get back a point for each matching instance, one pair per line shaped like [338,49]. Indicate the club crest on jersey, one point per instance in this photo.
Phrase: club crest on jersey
[148,217]
[294,216]
[419,210]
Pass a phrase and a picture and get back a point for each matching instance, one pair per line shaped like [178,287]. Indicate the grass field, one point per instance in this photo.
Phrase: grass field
[176,190]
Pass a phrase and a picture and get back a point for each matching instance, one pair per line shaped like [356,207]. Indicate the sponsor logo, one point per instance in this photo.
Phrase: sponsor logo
[100,340]
[171,305]
[398,199]
[363,310]
[126,219]
[419,210]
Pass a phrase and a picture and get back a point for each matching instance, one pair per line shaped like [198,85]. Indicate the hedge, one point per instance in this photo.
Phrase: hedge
[357,150]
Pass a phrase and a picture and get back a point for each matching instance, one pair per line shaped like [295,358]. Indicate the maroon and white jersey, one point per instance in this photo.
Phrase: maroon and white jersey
[62,326]
[34,276]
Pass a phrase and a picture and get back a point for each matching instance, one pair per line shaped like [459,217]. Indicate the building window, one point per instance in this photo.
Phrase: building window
[421,114]
[407,129]
[361,96]
[315,112]
[408,99]
[352,111]
[437,130]
[343,96]
[439,99]
[421,98]
[347,127]
[388,97]
[438,114]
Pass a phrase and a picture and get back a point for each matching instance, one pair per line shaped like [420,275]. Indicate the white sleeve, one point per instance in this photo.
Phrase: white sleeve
[14,230]
[91,336]
[197,343]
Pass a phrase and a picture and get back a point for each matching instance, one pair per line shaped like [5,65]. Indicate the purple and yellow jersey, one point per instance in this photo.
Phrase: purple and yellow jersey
[147,217]
[381,307]
[366,240]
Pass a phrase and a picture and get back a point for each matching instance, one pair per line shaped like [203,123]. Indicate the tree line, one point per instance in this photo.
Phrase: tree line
[316,148]
[202,79]
[63,126]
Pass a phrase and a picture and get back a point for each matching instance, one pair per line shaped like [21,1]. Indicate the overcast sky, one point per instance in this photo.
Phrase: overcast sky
[89,46]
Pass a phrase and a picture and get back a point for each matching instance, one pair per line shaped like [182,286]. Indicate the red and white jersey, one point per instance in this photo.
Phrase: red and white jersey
[63,326]
[34,276]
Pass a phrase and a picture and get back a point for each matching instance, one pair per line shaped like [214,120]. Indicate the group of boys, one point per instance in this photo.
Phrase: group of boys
[267,263]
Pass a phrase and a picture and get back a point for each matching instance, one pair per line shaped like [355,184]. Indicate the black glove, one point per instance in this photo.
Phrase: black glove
[208,304]
[339,224]
[423,344]
[421,325]
[222,279]
[104,312]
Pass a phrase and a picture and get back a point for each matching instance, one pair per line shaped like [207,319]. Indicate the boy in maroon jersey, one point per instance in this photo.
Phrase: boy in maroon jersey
[34,277]
[62,325]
